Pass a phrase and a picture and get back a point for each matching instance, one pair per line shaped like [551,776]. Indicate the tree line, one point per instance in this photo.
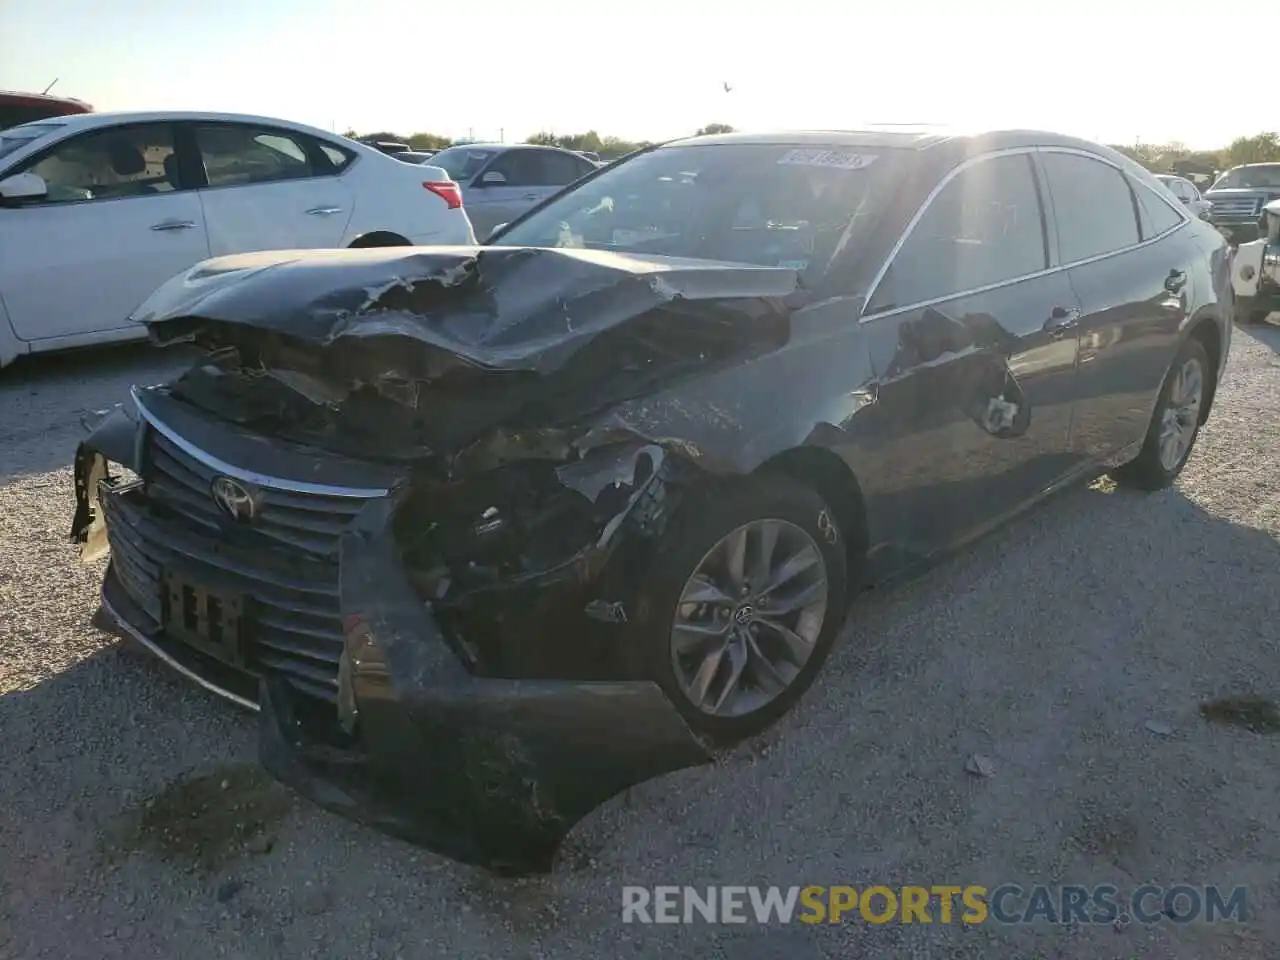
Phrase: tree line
[607,147]
[1172,157]
[1177,158]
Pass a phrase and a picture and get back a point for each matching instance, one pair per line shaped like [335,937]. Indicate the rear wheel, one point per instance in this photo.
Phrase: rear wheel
[742,604]
[379,239]
[1175,424]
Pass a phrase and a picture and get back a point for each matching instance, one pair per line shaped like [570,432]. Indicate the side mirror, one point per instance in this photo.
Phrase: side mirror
[493,178]
[23,186]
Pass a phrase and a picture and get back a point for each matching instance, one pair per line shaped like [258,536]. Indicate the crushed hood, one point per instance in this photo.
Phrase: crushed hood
[460,340]
[501,308]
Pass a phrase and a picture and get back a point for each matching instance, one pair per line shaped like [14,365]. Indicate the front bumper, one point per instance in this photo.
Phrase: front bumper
[493,772]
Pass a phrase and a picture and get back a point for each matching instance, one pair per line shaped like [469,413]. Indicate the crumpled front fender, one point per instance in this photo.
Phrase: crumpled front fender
[488,771]
[115,439]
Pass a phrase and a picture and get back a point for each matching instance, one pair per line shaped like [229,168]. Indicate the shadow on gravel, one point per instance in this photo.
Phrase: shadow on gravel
[1267,333]
[48,369]
[44,398]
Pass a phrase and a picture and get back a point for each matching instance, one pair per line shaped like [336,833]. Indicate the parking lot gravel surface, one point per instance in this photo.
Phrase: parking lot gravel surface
[1072,650]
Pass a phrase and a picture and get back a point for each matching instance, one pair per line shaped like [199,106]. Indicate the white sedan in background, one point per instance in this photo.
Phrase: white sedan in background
[1186,191]
[98,210]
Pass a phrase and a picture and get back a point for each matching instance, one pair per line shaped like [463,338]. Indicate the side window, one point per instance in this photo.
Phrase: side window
[1154,212]
[522,168]
[984,228]
[337,156]
[235,154]
[1092,205]
[109,164]
[559,169]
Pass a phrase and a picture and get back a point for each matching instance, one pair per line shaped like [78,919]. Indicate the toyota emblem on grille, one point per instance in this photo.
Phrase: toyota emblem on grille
[234,498]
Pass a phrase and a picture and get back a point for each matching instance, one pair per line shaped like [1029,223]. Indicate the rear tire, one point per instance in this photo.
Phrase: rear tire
[379,240]
[1175,423]
[758,645]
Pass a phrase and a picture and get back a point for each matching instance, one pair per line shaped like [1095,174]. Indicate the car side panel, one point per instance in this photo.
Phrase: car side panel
[1129,334]
[388,197]
[936,465]
[10,345]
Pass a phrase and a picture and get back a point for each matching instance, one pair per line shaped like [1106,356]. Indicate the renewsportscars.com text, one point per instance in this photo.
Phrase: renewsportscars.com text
[942,903]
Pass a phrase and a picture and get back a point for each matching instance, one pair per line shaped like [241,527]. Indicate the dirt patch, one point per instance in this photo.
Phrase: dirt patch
[208,819]
[1252,713]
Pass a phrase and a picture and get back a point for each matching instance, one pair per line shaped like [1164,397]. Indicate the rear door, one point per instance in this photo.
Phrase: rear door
[1127,257]
[268,189]
[489,204]
[117,223]
[976,400]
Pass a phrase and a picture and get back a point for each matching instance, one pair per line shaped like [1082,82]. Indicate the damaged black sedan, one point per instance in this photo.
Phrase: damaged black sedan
[489,534]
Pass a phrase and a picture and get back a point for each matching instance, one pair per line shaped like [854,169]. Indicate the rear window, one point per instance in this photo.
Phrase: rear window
[765,204]
[18,137]
[461,163]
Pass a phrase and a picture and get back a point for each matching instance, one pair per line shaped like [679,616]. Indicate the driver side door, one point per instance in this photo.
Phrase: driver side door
[116,223]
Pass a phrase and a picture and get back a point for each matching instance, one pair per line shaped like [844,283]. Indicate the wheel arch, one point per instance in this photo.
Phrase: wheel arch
[833,479]
[1207,331]
[379,238]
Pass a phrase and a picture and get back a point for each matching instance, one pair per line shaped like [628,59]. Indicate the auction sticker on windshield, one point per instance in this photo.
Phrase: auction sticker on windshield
[841,159]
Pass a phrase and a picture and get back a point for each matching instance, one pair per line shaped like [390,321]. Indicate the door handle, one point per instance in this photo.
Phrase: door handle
[1061,319]
[1176,280]
[323,211]
[173,225]
[531,196]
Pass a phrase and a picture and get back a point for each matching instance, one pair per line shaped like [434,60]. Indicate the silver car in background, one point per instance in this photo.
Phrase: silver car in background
[1188,193]
[501,181]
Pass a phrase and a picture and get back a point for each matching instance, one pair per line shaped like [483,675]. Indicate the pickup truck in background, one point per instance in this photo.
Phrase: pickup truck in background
[1238,197]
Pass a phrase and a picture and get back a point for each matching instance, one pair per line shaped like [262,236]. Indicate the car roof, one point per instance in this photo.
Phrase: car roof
[905,136]
[40,99]
[480,145]
[90,121]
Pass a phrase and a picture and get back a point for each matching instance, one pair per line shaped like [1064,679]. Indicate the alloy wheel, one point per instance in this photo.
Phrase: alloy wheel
[749,618]
[1181,415]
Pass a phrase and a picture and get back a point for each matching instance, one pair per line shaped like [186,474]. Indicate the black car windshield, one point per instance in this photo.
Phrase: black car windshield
[765,204]
[461,163]
[1267,175]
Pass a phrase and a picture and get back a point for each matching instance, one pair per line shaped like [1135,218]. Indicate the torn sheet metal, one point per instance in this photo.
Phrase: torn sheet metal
[487,771]
[498,308]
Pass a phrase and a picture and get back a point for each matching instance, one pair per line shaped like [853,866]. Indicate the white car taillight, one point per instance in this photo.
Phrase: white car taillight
[446,190]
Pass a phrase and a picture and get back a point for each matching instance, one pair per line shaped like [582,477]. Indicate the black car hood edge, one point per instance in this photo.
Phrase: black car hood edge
[499,308]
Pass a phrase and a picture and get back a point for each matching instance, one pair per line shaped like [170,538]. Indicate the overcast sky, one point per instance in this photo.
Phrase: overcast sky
[1116,71]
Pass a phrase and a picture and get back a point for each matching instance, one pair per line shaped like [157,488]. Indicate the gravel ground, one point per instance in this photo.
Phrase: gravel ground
[1073,648]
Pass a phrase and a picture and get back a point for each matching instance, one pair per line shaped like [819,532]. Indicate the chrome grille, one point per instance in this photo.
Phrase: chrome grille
[1244,207]
[295,626]
[311,522]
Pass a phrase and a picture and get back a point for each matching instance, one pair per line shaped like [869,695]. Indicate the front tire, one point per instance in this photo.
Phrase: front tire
[1175,424]
[744,596]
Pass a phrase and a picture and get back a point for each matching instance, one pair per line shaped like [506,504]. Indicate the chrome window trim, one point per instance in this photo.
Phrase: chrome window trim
[1184,219]
[249,476]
